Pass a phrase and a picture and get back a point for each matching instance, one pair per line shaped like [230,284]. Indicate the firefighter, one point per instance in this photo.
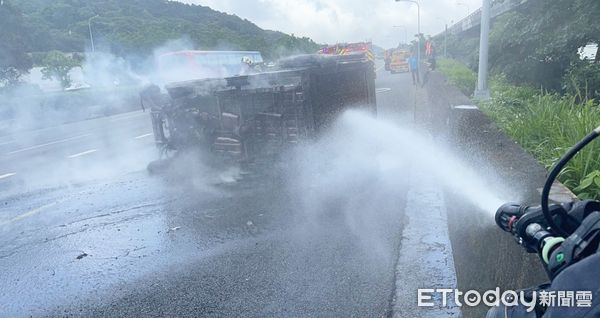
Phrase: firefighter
[430,52]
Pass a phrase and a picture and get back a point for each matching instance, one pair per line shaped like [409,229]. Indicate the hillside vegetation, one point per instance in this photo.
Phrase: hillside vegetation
[138,26]
[127,28]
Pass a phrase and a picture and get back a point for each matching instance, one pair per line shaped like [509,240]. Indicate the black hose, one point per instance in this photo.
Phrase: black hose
[554,173]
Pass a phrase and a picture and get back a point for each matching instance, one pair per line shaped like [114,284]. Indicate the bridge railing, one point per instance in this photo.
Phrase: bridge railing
[474,19]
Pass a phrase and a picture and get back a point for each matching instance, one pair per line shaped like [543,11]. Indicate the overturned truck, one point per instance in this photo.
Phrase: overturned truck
[246,118]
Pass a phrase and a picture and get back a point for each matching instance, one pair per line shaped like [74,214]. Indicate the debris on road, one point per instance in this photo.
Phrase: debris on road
[82,255]
[173,229]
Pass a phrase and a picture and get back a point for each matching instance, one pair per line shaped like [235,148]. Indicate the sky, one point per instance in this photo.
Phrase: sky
[332,21]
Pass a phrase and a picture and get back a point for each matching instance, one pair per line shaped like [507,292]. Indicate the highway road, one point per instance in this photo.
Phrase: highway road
[86,231]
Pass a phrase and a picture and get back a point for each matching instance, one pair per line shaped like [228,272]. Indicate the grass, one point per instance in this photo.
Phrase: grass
[545,124]
[458,75]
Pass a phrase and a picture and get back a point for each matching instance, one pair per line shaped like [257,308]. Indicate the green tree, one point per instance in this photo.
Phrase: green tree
[57,65]
[14,60]
[138,27]
[538,43]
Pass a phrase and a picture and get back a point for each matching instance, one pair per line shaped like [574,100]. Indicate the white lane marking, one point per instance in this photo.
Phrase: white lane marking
[48,144]
[383,90]
[125,117]
[127,114]
[143,136]
[4,176]
[82,153]
[379,68]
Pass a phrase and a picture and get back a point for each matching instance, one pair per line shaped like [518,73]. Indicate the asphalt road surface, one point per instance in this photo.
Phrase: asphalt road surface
[86,231]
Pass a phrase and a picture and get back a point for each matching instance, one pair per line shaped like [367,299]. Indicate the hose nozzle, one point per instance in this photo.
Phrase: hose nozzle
[508,214]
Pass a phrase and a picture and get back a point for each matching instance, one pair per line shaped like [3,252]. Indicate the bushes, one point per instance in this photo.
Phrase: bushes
[545,124]
[583,80]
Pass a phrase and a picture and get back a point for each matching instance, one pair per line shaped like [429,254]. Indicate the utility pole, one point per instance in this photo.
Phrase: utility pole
[482,92]
[446,41]
[445,35]
[91,35]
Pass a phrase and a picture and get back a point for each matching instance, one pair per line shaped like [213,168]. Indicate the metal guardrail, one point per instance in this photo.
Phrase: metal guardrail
[474,19]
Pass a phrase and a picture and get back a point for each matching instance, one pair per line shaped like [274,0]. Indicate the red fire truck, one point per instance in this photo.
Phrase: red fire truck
[349,48]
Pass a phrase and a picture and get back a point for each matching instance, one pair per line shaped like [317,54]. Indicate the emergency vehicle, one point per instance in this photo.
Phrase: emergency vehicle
[396,60]
[350,48]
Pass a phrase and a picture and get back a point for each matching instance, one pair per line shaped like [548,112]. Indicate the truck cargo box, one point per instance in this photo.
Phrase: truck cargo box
[259,115]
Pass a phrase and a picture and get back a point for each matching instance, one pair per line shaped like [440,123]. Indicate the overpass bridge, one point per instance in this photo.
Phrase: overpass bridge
[474,19]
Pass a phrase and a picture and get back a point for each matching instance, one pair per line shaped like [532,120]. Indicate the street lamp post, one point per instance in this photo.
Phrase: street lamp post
[482,91]
[91,35]
[418,30]
[405,32]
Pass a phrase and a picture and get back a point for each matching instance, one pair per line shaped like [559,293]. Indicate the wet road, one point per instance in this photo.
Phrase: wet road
[85,231]
[99,148]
